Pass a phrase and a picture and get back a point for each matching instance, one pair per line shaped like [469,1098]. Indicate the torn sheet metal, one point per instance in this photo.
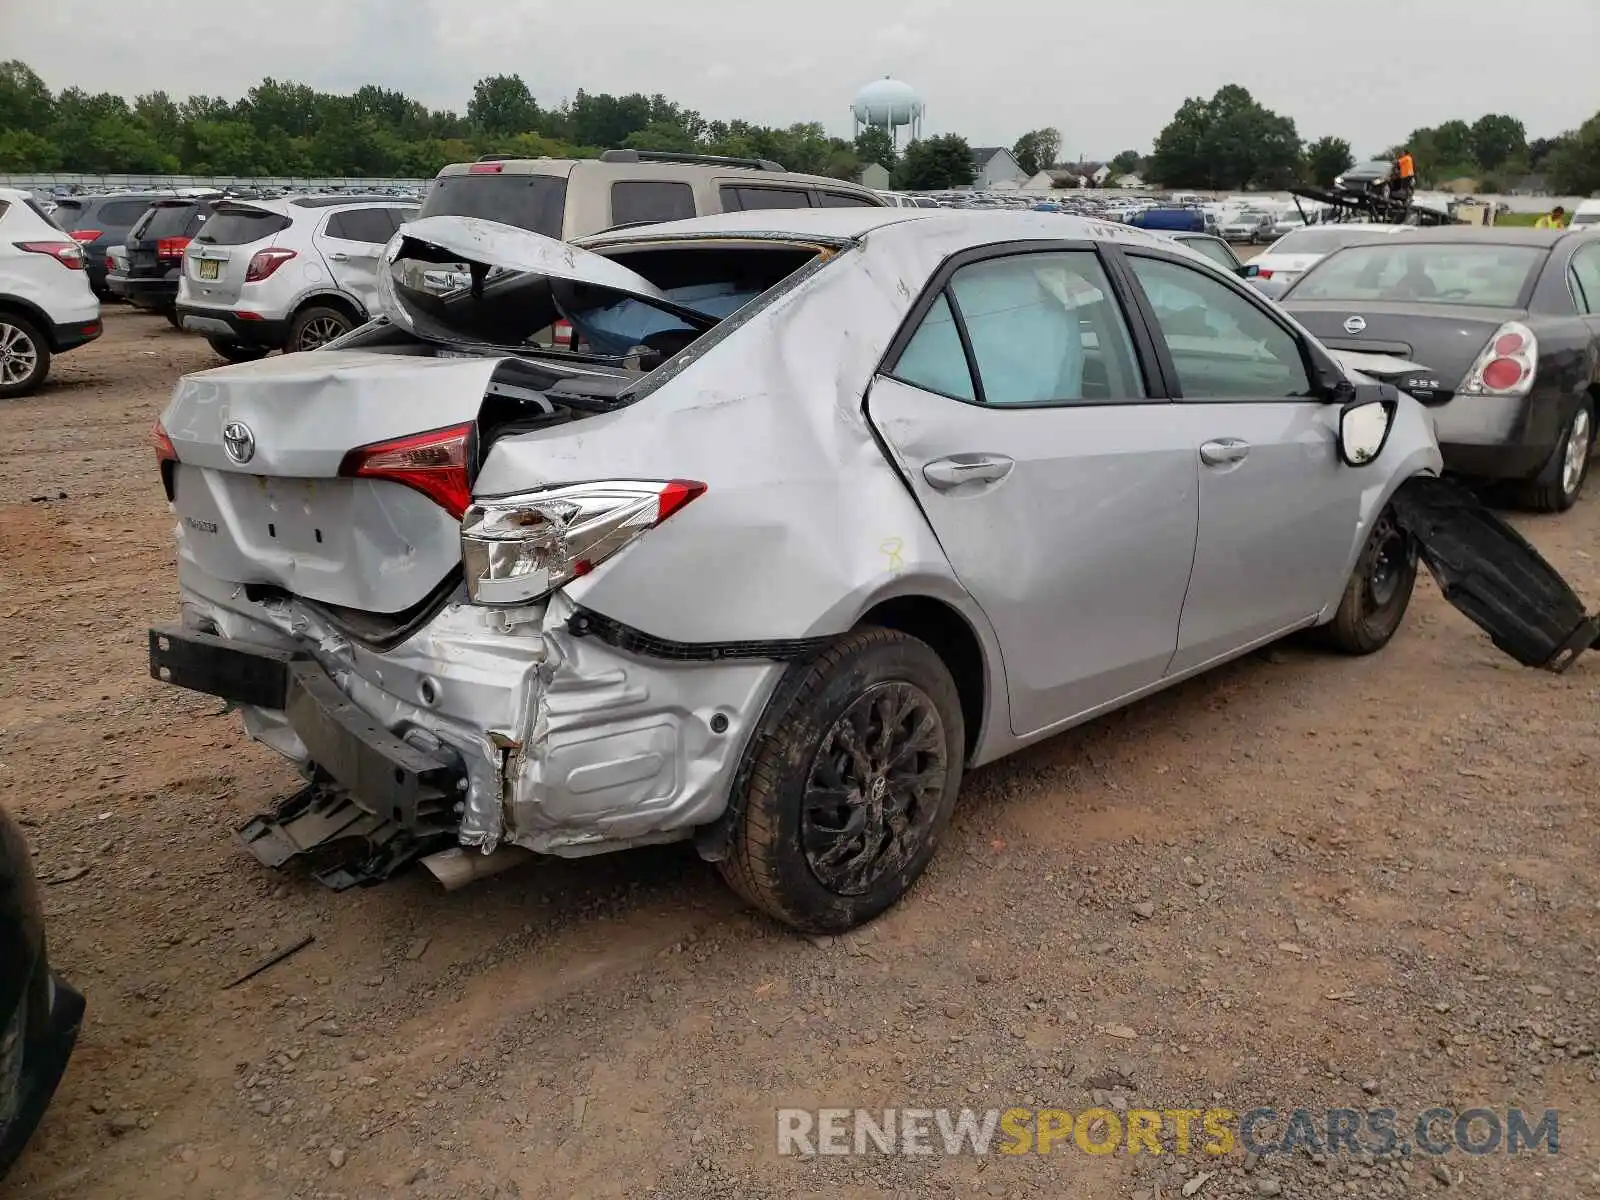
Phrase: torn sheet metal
[1491,573]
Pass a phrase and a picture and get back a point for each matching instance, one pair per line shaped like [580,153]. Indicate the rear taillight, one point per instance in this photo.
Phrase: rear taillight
[110,263]
[485,169]
[1507,365]
[264,262]
[86,235]
[170,249]
[1263,273]
[518,548]
[434,463]
[161,443]
[68,254]
[563,336]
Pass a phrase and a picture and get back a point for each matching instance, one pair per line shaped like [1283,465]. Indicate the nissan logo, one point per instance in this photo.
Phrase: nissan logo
[239,442]
[1354,324]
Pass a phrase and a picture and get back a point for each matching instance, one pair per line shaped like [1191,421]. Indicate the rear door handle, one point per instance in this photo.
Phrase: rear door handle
[1223,451]
[947,473]
[339,256]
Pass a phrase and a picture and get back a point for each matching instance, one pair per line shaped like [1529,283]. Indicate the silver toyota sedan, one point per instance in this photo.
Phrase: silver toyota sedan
[809,512]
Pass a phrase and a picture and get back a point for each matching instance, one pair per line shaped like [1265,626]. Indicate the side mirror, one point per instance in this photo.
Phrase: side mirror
[1249,271]
[1364,430]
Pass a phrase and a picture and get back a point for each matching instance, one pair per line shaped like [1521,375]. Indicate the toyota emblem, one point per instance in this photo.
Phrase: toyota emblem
[1354,324]
[239,442]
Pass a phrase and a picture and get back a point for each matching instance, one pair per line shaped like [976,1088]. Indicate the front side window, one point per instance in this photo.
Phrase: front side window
[1042,328]
[1223,346]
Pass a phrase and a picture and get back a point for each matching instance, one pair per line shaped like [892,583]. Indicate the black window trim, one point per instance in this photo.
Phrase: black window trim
[1315,370]
[1144,349]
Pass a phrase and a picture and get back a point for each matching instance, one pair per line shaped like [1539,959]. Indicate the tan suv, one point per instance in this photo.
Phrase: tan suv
[570,198]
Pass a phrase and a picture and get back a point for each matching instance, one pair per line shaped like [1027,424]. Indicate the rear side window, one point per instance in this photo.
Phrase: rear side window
[1042,329]
[47,218]
[401,215]
[369,225]
[240,226]
[1586,273]
[846,200]
[749,199]
[636,201]
[536,203]
[1214,250]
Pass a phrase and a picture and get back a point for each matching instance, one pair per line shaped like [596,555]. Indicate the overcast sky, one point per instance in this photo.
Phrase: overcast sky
[1107,73]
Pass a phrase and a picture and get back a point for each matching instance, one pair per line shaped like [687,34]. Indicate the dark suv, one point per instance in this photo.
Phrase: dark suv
[155,247]
[98,223]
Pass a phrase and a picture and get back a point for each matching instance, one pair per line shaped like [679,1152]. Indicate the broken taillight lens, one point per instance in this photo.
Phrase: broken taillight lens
[517,549]
[162,444]
[435,463]
[1507,365]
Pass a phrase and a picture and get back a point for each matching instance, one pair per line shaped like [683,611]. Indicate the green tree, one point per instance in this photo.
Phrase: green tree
[1496,139]
[1228,141]
[875,145]
[25,102]
[22,151]
[1037,150]
[502,104]
[1125,163]
[1326,159]
[1574,165]
[931,164]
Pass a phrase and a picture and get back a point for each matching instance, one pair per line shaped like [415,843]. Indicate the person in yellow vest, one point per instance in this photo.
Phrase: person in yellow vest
[1555,219]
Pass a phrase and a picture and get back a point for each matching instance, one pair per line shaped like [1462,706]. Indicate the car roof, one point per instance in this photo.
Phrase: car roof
[1493,235]
[851,223]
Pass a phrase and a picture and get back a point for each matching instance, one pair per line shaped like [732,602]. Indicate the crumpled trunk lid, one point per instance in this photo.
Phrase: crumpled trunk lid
[275,512]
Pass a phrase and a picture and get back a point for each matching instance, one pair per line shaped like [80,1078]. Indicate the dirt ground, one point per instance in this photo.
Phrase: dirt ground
[1303,880]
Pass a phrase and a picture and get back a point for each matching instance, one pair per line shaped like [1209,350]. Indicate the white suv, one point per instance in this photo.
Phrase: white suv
[46,304]
[291,274]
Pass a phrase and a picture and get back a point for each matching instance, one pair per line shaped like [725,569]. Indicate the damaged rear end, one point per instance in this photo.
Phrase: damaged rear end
[406,642]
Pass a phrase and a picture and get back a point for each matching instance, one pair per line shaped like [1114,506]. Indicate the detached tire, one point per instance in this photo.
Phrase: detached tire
[24,356]
[236,352]
[1561,482]
[1378,592]
[315,327]
[851,783]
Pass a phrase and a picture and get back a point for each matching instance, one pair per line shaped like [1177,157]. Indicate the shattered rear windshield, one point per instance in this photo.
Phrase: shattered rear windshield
[1486,276]
[533,202]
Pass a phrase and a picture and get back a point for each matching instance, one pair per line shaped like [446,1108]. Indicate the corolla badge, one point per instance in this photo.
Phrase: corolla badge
[1354,324]
[239,442]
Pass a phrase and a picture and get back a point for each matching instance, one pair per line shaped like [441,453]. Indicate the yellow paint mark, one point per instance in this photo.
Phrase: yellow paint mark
[891,548]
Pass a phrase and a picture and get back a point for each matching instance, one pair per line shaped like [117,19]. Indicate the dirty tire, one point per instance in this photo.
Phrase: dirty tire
[767,862]
[1561,482]
[236,352]
[315,326]
[1378,592]
[173,319]
[24,356]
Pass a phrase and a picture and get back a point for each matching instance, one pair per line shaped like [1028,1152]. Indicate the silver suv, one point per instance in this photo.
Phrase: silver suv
[571,198]
[265,275]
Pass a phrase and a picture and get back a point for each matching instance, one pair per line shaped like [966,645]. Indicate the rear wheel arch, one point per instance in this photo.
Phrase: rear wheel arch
[952,637]
[336,300]
[33,314]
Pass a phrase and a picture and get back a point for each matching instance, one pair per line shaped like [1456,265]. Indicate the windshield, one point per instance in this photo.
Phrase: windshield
[537,203]
[1586,218]
[1320,241]
[1440,273]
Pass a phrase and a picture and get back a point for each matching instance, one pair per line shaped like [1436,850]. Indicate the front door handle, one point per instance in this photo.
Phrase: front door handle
[1223,451]
[339,256]
[947,473]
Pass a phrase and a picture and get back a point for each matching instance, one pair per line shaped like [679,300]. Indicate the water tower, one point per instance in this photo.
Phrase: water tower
[889,105]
